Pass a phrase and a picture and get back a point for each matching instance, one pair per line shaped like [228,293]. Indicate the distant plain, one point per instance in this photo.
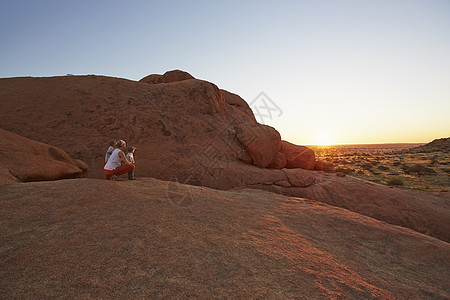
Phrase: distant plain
[401,165]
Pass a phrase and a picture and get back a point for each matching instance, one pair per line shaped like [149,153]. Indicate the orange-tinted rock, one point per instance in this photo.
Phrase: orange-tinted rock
[240,109]
[173,125]
[261,142]
[82,166]
[27,160]
[424,212]
[168,77]
[283,183]
[187,131]
[278,162]
[298,156]
[300,177]
[89,238]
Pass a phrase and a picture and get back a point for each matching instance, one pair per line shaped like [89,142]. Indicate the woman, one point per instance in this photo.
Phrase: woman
[118,164]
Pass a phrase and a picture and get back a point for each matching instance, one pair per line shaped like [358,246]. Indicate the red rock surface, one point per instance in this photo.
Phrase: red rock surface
[175,126]
[298,156]
[168,77]
[187,131]
[88,238]
[261,142]
[425,212]
[279,161]
[239,109]
[22,159]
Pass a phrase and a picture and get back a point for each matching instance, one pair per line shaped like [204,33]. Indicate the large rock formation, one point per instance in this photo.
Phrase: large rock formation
[22,159]
[298,156]
[155,239]
[180,126]
[190,131]
[261,142]
[168,77]
[77,238]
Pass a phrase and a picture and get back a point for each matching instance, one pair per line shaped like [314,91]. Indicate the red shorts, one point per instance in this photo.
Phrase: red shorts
[122,169]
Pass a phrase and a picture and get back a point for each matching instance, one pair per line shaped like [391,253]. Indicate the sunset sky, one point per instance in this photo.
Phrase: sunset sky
[329,71]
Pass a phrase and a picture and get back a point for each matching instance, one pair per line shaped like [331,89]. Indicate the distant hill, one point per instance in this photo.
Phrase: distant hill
[437,145]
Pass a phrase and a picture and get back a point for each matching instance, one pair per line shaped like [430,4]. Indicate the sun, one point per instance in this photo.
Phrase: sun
[324,139]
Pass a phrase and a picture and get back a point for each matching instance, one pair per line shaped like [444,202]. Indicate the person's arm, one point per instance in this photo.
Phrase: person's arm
[110,151]
[123,158]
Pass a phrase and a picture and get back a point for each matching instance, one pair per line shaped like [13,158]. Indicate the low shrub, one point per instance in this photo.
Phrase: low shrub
[366,166]
[434,160]
[383,168]
[418,169]
[395,181]
[344,170]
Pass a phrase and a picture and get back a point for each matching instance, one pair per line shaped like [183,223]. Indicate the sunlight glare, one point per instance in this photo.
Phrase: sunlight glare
[324,139]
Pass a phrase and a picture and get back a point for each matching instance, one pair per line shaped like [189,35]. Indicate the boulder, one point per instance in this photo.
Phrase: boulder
[278,162]
[300,177]
[261,142]
[168,77]
[22,159]
[240,109]
[172,125]
[298,156]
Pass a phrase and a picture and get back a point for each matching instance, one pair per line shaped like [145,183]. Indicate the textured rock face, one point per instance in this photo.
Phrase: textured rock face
[168,77]
[154,239]
[279,161]
[174,126]
[298,156]
[22,159]
[239,109]
[300,178]
[187,131]
[261,142]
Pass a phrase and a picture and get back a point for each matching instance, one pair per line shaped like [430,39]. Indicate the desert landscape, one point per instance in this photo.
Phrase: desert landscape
[417,166]
[222,207]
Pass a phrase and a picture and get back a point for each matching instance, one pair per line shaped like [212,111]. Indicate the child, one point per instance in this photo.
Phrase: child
[112,145]
[130,157]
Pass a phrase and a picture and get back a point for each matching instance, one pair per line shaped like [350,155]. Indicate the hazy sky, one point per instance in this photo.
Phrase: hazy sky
[343,71]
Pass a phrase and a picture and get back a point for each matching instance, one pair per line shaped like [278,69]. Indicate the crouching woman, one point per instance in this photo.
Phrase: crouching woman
[118,164]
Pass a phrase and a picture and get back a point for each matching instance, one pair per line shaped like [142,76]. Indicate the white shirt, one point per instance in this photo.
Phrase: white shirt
[130,157]
[114,161]
[108,155]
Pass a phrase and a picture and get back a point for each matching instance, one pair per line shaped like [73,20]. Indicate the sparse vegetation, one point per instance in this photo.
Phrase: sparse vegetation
[383,168]
[394,181]
[395,165]
[344,170]
[418,169]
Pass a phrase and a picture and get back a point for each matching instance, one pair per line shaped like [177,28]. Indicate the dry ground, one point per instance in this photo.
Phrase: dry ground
[391,165]
[87,238]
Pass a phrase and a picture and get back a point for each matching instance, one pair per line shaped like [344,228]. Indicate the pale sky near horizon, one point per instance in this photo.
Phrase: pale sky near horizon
[332,71]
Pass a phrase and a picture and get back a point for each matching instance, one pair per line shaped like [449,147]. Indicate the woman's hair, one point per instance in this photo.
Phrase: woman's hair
[112,142]
[130,149]
[120,143]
